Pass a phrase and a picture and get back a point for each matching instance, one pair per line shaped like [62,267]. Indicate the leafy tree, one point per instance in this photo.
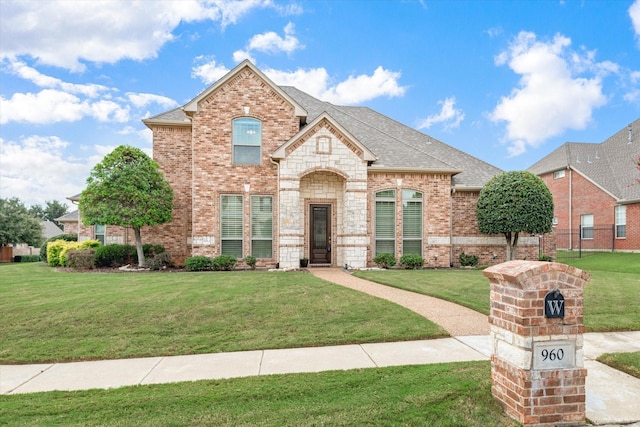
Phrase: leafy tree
[515,202]
[53,209]
[17,225]
[127,189]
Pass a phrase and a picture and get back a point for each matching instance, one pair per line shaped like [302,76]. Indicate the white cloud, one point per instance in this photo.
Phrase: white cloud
[61,101]
[208,70]
[550,97]
[362,88]
[52,106]
[57,177]
[634,14]
[141,100]
[67,33]
[449,115]
[315,81]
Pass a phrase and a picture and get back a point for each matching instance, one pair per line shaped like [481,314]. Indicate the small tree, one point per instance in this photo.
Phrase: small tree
[127,189]
[515,202]
[17,225]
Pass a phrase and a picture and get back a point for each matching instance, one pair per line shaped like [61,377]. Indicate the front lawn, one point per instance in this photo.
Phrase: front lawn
[51,316]
[611,298]
[454,394]
[625,362]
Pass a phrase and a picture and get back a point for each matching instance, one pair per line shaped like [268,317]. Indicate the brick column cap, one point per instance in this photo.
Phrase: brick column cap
[520,272]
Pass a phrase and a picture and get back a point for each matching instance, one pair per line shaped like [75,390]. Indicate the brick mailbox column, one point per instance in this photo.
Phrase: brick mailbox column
[537,362]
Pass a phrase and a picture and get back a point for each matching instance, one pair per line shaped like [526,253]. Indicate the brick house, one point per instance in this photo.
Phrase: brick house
[270,171]
[596,192]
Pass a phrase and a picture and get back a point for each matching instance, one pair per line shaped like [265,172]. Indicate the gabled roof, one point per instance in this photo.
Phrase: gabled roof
[395,146]
[611,164]
[399,147]
[50,229]
[192,105]
[69,217]
[280,153]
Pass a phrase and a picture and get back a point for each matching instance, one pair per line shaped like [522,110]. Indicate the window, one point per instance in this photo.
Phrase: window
[558,174]
[231,225]
[411,222]
[262,226]
[99,231]
[247,141]
[586,226]
[621,222]
[385,222]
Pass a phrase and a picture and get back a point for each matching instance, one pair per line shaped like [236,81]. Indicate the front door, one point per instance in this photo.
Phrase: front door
[320,232]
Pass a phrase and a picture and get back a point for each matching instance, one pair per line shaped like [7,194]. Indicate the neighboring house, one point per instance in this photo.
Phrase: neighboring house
[105,234]
[596,192]
[269,171]
[49,229]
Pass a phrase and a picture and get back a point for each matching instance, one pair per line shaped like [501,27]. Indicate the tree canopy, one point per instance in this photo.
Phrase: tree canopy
[53,209]
[512,203]
[127,189]
[17,225]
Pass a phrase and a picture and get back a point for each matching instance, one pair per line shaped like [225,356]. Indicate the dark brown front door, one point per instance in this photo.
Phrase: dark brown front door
[320,233]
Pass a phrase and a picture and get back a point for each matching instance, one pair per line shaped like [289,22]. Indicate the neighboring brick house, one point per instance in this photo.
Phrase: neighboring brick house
[596,190]
[269,171]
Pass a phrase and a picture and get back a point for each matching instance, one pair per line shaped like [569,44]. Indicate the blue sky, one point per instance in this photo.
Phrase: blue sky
[506,81]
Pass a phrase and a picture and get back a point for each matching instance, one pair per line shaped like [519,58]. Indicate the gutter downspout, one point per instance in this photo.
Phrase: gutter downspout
[279,213]
[453,191]
[570,208]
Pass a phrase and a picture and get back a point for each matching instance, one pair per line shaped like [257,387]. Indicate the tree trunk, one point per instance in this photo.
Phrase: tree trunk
[512,245]
[141,260]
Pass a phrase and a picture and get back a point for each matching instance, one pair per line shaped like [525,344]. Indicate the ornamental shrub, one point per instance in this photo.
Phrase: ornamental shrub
[224,263]
[412,261]
[385,260]
[198,263]
[67,237]
[159,261]
[547,258]
[81,259]
[113,255]
[468,260]
[251,261]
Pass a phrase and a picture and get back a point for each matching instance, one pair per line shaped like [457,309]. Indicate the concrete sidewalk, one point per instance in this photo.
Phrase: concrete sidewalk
[612,397]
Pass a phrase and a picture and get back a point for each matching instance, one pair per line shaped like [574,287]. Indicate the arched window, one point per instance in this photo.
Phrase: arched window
[247,141]
[385,222]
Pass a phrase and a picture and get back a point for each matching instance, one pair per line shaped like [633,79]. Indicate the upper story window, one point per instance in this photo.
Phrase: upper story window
[247,141]
[558,174]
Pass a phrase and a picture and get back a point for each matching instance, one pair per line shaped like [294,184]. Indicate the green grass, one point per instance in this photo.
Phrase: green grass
[50,316]
[625,362]
[611,298]
[456,394]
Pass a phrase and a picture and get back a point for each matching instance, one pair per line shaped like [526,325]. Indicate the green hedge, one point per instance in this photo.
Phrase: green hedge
[26,258]
[57,250]
[412,261]
[115,255]
[204,263]
[67,237]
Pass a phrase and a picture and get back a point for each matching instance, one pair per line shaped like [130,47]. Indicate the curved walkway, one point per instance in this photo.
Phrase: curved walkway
[455,319]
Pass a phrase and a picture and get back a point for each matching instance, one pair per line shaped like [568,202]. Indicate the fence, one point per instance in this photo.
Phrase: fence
[584,241]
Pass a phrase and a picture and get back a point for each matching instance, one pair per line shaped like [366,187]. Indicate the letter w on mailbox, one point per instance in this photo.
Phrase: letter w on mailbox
[554,304]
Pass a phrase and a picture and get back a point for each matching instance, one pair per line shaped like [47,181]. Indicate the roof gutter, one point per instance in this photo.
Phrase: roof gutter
[383,169]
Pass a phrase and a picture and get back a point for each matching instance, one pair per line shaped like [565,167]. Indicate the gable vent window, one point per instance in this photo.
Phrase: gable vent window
[247,141]
[323,145]
[558,174]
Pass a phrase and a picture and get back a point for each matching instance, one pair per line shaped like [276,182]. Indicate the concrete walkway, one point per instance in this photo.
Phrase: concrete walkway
[612,397]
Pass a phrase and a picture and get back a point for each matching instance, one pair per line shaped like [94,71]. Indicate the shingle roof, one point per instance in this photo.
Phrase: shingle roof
[610,164]
[396,145]
[50,229]
[69,217]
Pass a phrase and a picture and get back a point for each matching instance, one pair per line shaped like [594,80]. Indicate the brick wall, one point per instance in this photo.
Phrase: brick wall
[536,396]
[588,198]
